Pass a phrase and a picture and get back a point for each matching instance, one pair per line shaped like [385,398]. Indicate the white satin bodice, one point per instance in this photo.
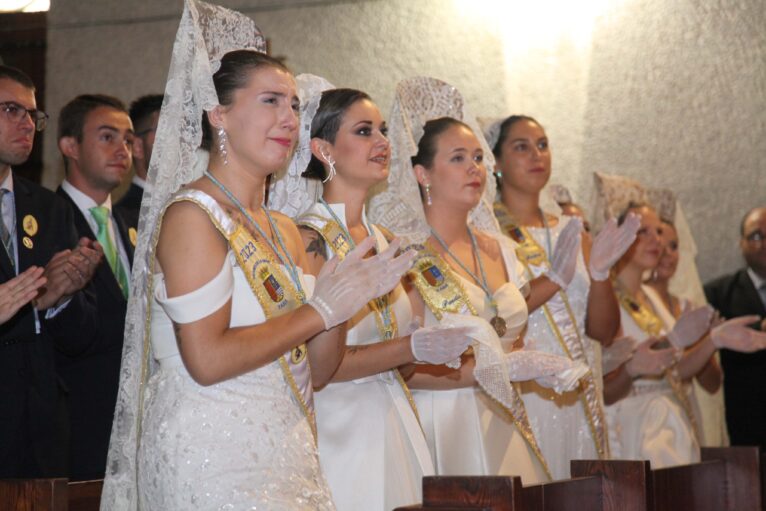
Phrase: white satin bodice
[371,447]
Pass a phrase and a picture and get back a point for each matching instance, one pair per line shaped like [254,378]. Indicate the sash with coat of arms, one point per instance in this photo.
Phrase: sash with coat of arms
[442,292]
[274,290]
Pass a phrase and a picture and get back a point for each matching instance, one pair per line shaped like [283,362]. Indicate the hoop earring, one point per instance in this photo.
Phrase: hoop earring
[222,139]
[331,163]
[428,194]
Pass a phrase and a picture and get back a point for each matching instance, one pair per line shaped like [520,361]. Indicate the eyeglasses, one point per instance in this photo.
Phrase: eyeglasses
[755,237]
[15,112]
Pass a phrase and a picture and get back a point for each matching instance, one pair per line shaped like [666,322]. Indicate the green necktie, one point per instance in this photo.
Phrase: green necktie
[101,215]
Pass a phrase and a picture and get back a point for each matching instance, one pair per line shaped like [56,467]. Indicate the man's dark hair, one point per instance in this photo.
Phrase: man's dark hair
[744,219]
[142,108]
[17,75]
[72,116]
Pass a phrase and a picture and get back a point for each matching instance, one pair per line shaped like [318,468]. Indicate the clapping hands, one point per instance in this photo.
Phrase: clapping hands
[610,244]
[735,335]
[647,361]
[69,271]
[19,291]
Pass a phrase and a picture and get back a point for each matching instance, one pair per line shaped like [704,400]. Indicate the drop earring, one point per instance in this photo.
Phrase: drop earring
[428,194]
[222,145]
[331,163]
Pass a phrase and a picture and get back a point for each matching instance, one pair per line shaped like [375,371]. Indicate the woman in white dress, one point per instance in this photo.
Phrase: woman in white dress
[651,411]
[371,446]
[226,419]
[473,418]
[571,425]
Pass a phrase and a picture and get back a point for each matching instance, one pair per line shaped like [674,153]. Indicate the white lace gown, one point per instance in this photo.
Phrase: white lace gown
[371,447]
[469,434]
[240,444]
[650,423]
[559,420]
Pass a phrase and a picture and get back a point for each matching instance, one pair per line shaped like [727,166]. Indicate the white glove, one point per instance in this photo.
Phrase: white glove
[619,352]
[647,361]
[610,244]
[343,288]
[552,371]
[564,257]
[439,344]
[690,326]
[735,335]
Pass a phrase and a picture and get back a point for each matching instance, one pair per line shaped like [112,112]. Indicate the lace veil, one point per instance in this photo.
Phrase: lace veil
[289,193]
[399,208]
[615,193]
[205,34]
[396,204]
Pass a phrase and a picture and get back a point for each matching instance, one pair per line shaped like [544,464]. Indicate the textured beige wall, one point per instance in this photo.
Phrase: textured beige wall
[670,93]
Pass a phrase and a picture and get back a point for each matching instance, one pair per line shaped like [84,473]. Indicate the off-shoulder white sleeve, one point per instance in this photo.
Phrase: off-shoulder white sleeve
[201,302]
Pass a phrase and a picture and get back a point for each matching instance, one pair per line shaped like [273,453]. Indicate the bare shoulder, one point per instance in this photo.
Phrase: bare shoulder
[190,249]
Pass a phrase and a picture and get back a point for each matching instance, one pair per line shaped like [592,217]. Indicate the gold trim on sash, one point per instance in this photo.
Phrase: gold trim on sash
[530,253]
[335,238]
[650,323]
[442,292]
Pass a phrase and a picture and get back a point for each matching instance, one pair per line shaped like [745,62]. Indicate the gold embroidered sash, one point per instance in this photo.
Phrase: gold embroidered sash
[385,319]
[273,289]
[442,292]
[563,324]
[650,323]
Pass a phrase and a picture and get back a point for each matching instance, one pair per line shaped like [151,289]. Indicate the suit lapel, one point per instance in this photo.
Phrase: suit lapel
[750,296]
[24,207]
[123,233]
[103,272]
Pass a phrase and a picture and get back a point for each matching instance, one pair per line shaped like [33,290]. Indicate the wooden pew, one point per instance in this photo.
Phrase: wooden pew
[727,479]
[489,493]
[49,495]
[763,480]
[602,486]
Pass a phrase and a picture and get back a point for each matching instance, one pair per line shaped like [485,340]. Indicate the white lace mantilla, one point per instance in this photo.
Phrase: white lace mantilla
[205,34]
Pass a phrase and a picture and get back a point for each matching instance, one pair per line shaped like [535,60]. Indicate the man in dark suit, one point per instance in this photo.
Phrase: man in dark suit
[37,230]
[144,113]
[741,294]
[95,136]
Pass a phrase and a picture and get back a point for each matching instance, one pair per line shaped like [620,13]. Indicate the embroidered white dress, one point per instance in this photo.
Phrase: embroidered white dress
[243,443]
[469,434]
[371,447]
[650,423]
[561,426]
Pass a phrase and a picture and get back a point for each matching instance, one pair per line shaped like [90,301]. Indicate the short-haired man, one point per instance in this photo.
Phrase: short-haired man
[144,113]
[37,229]
[95,136]
[739,294]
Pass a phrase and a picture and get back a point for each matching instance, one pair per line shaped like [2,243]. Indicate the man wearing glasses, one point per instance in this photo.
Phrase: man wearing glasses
[37,230]
[740,294]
